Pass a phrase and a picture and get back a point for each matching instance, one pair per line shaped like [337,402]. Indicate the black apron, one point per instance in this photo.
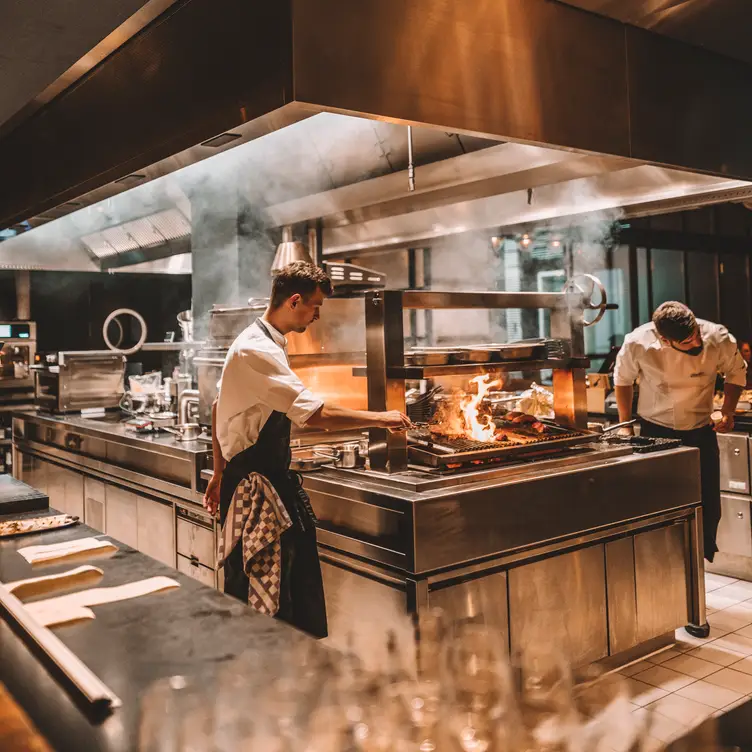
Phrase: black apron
[706,440]
[302,601]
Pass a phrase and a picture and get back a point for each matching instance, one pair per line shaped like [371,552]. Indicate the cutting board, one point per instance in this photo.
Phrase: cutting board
[16,497]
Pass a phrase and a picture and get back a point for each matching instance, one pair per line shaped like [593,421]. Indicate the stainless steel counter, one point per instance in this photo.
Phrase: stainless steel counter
[142,489]
[598,552]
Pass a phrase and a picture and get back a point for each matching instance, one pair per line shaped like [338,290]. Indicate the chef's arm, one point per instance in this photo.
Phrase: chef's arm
[624,397]
[731,394]
[218,459]
[336,418]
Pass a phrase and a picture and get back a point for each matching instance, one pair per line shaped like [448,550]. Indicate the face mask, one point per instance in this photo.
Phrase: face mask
[692,350]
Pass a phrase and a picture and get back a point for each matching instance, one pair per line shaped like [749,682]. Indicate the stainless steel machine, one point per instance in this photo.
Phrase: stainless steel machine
[78,380]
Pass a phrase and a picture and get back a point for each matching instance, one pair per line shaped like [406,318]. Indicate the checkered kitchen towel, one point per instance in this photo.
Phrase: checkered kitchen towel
[258,518]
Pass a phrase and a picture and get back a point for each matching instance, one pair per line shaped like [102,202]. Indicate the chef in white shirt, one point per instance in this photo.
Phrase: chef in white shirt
[259,398]
[676,358]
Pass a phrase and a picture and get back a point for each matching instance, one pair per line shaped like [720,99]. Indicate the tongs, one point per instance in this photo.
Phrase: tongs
[617,426]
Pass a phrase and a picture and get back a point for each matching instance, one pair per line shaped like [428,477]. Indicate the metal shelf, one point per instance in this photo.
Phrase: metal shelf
[421,372]
[171,346]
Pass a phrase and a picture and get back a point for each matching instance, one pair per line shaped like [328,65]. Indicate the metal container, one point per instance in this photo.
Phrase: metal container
[429,357]
[522,350]
[475,354]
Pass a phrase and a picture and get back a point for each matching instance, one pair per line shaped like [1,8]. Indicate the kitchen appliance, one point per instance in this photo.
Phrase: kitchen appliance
[323,356]
[18,343]
[734,538]
[81,380]
[450,452]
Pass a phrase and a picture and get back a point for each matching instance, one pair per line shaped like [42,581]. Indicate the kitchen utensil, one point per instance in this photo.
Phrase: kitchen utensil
[475,354]
[429,357]
[185,431]
[533,349]
[617,426]
[349,456]
[309,459]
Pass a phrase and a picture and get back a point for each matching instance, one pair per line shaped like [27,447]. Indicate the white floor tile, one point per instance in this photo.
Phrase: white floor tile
[719,601]
[666,655]
[709,694]
[724,620]
[715,581]
[741,609]
[682,709]
[745,631]
[736,704]
[731,679]
[635,668]
[660,726]
[736,642]
[739,588]
[665,678]
[713,653]
[692,666]
[643,694]
[685,641]
[744,665]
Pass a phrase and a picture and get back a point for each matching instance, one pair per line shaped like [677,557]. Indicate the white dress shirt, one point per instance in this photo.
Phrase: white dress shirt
[256,381]
[676,390]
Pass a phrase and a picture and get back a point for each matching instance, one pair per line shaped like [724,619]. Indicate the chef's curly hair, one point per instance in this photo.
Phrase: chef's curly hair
[299,278]
[674,321]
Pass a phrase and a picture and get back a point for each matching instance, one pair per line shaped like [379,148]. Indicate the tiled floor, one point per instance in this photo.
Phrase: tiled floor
[681,687]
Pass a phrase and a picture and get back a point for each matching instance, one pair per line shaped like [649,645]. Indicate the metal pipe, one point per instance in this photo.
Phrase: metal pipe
[23,295]
[410,161]
[186,398]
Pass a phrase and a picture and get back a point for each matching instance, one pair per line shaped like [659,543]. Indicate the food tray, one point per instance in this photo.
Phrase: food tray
[29,525]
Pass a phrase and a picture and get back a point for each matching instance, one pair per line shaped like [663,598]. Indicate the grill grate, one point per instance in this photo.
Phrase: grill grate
[458,443]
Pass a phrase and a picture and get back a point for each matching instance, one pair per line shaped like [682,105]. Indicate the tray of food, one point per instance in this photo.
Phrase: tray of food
[28,525]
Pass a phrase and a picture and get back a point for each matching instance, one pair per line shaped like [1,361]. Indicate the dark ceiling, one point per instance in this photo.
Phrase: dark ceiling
[722,26]
[39,41]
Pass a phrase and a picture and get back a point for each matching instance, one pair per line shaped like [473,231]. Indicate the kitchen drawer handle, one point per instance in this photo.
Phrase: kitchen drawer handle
[740,515]
[737,452]
[194,560]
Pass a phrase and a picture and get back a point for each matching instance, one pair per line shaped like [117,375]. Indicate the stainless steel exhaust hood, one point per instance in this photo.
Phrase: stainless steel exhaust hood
[288,251]
[530,71]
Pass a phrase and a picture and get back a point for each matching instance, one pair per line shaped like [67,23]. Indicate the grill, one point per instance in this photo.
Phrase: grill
[427,449]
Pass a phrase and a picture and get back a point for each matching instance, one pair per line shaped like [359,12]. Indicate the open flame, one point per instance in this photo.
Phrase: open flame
[478,427]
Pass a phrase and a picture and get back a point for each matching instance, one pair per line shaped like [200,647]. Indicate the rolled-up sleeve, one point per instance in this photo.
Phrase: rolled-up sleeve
[731,365]
[626,368]
[277,386]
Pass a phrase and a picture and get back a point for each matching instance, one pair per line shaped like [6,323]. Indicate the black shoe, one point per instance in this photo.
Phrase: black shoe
[699,632]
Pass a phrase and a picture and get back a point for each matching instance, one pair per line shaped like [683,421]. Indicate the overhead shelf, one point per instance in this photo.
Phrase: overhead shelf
[422,372]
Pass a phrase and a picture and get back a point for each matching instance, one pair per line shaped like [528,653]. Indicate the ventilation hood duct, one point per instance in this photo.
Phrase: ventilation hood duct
[289,250]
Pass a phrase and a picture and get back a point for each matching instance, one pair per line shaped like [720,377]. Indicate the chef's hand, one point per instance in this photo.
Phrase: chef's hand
[625,431]
[395,421]
[725,424]
[211,497]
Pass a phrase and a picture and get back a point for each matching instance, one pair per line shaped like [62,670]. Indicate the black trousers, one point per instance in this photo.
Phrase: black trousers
[706,441]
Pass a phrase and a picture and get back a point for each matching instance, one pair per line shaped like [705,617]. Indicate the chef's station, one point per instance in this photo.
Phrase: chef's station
[411,175]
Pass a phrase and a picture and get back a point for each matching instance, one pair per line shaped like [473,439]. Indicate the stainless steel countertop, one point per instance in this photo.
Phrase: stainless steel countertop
[416,485]
[113,429]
